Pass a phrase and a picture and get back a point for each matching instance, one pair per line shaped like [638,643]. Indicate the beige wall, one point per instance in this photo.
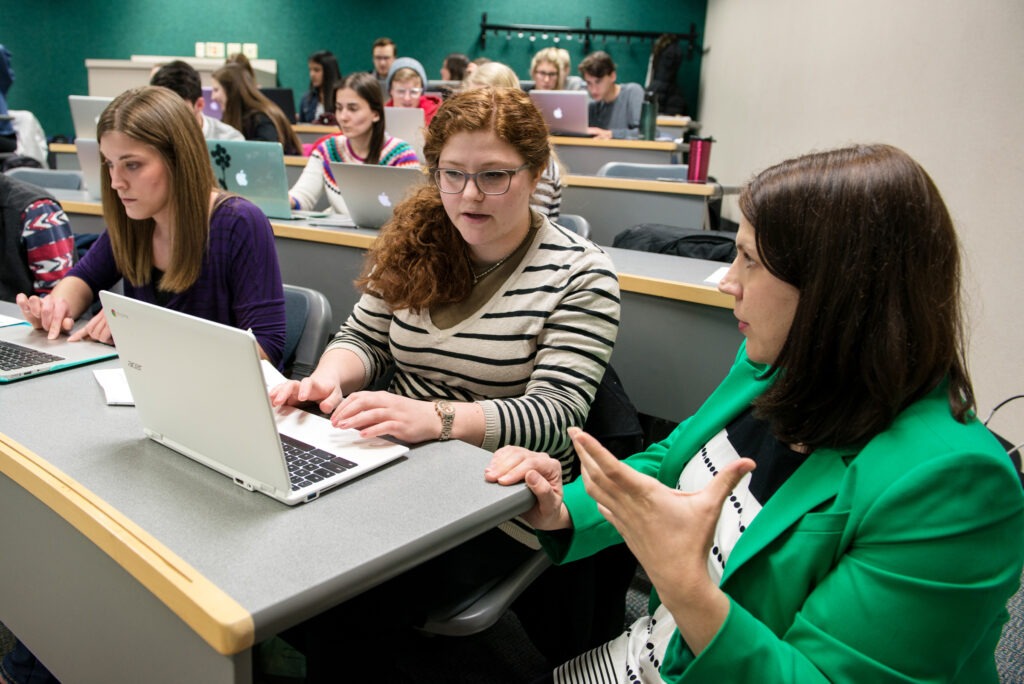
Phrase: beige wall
[942,79]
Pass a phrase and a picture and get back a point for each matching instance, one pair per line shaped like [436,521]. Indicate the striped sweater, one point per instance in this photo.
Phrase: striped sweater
[317,176]
[532,356]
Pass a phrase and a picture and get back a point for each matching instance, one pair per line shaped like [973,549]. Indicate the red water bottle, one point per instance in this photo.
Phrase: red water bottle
[700,154]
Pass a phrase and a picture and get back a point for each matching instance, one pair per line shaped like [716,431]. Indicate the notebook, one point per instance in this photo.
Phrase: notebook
[85,113]
[88,150]
[25,352]
[199,390]
[564,111]
[371,191]
[211,108]
[283,98]
[255,170]
[406,123]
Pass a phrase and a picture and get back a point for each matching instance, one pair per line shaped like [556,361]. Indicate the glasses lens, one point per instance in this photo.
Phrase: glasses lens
[450,180]
[494,182]
[409,92]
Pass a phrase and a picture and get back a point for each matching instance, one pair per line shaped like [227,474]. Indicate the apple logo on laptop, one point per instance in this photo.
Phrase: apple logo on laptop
[557,113]
[384,200]
[241,179]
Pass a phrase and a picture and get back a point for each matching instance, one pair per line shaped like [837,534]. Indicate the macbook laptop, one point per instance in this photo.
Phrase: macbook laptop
[406,123]
[85,113]
[564,111]
[283,98]
[371,192]
[211,108]
[199,390]
[88,150]
[255,170]
[25,352]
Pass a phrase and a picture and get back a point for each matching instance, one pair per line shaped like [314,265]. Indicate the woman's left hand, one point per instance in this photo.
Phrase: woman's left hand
[670,532]
[96,329]
[382,413]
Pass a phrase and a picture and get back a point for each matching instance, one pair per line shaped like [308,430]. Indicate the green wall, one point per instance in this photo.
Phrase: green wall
[49,60]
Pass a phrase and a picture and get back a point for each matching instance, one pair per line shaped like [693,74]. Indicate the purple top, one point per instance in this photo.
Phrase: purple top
[239,285]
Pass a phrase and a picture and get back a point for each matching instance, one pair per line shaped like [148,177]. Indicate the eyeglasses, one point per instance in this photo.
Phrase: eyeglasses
[489,182]
[407,92]
[546,74]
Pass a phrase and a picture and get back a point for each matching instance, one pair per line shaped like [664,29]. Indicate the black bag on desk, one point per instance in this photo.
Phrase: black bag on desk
[688,242]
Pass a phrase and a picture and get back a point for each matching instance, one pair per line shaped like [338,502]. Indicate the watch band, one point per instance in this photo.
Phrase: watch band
[446,412]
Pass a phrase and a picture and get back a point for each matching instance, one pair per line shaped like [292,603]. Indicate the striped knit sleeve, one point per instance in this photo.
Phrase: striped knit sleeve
[397,152]
[572,349]
[309,188]
[547,197]
[49,244]
[366,333]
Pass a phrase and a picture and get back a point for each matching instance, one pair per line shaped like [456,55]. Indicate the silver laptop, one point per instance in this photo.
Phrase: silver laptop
[25,352]
[371,191]
[199,390]
[88,150]
[85,113]
[407,123]
[564,111]
[255,170]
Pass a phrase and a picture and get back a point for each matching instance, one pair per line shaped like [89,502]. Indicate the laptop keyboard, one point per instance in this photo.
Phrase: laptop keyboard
[308,465]
[14,356]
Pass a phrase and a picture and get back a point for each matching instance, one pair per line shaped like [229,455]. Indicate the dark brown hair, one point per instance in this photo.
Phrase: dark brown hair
[366,86]
[243,99]
[597,64]
[863,234]
[420,259]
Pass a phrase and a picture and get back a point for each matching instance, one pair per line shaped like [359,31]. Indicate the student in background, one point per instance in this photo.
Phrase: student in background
[407,82]
[359,109]
[454,67]
[879,537]
[317,104]
[176,241]
[36,244]
[8,136]
[547,197]
[384,53]
[250,111]
[499,326]
[180,77]
[615,108]
[550,69]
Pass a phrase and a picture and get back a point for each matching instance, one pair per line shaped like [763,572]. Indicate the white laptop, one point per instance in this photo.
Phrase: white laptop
[564,111]
[88,150]
[407,123]
[85,113]
[371,192]
[25,352]
[199,390]
[255,170]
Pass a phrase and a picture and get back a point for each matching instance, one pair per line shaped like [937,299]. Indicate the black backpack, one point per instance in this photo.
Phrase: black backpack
[715,245]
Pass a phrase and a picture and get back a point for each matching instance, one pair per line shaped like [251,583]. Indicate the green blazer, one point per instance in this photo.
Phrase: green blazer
[891,564]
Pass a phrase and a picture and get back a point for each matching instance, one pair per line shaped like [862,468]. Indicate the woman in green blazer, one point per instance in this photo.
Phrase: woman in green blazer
[834,511]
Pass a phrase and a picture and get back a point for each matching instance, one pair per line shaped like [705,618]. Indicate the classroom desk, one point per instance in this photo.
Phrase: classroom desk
[611,205]
[124,561]
[309,133]
[676,126]
[584,156]
[66,157]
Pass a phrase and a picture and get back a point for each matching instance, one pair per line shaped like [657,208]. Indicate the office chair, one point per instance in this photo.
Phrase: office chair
[308,325]
[48,178]
[575,223]
[615,169]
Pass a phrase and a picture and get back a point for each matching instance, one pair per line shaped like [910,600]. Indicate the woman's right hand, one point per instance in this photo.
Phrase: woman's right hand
[542,474]
[46,313]
[316,388]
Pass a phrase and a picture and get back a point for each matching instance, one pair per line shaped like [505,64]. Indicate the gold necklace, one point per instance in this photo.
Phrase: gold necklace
[477,277]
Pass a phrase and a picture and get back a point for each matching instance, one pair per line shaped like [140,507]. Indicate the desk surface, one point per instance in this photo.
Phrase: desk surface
[236,566]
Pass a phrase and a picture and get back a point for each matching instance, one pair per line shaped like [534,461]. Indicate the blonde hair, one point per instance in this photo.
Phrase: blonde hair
[557,56]
[159,118]
[493,74]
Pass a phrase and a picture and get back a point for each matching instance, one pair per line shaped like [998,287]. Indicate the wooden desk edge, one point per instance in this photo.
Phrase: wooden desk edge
[662,145]
[217,618]
[668,289]
[641,184]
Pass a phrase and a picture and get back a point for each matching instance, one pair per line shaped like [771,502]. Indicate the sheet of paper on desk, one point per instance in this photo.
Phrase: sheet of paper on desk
[115,385]
[717,276]
[9,320]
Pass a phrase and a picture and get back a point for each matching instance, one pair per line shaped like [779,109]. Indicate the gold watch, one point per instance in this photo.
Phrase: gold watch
[446,412]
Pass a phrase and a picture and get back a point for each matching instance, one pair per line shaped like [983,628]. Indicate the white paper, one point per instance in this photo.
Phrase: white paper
[115,386]
[717,276]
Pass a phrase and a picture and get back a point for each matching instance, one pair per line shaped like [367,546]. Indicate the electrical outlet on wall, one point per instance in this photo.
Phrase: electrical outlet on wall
[250,50]
[234,48]
[215,50]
